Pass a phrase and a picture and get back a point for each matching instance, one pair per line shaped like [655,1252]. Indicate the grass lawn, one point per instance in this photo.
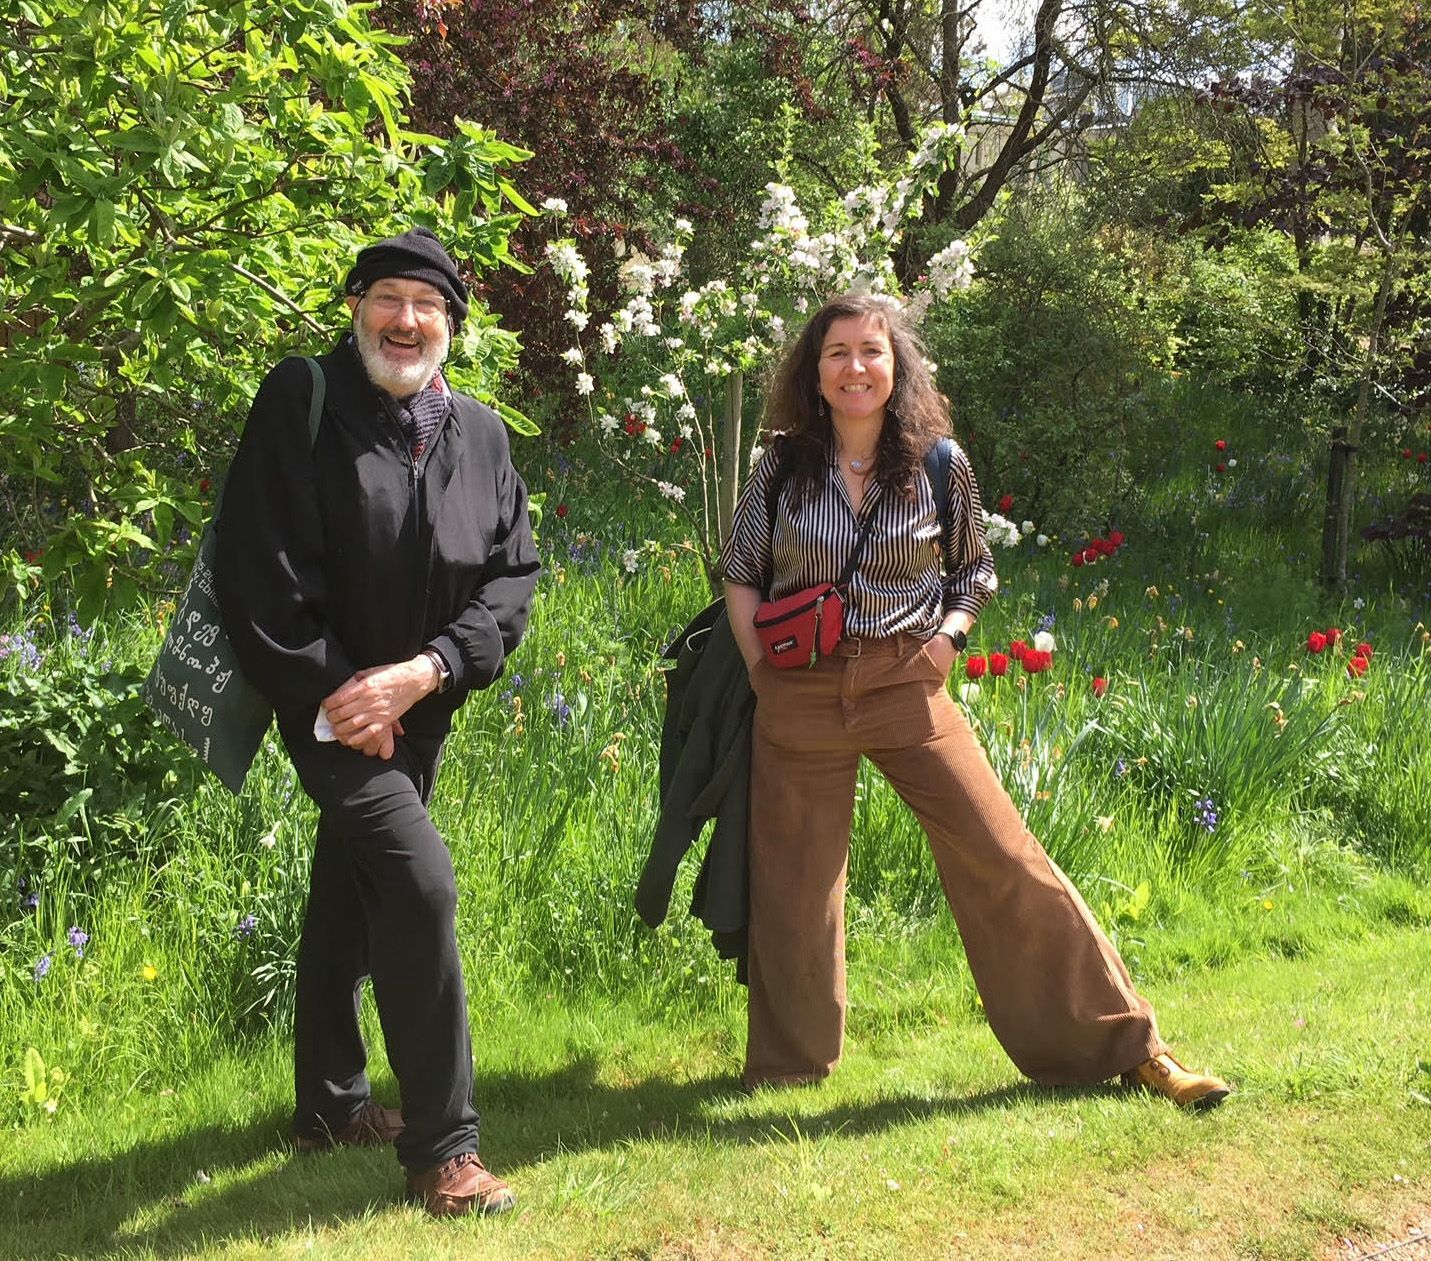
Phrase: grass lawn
[626,1136]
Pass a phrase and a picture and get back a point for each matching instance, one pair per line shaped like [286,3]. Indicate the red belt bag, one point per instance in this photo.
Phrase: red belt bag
[799,629]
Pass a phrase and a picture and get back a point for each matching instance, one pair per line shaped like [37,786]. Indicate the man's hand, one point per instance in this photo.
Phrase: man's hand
[366,711]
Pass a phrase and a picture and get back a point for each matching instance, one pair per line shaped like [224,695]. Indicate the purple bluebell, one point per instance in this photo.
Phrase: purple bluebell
[246,927]
[561,711]
[78,938]
[42,967]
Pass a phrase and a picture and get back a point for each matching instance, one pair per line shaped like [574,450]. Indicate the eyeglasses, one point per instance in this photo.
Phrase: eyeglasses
[426,310]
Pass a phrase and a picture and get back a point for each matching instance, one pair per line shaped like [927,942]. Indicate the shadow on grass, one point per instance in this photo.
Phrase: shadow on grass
[570,1110]
[158,1196]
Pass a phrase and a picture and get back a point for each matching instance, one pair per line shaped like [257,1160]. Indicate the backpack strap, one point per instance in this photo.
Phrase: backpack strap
[936,467]
[320,392]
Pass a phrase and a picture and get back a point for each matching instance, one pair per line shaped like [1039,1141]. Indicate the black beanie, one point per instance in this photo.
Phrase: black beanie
[415,255]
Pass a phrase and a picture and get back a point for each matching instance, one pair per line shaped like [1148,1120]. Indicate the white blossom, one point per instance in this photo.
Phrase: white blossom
[755,453]
[584,383]
[573,355]
[608,422]
[1043,641]
[579,318]
[555,205]
[1358,604]
[1000,531]
[566,262]
[683,225]
[951,268]
[671,383]
[1042,540]
[630,560]
[609,339]
[968,691]
[1027,528]
[652,435]
[671,492]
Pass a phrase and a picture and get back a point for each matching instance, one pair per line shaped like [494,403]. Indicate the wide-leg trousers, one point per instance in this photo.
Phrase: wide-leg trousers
[382,904]
[1056,993]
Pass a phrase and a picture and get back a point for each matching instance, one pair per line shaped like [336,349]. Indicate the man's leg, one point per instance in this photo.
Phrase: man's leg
[329,1058]
[403,878]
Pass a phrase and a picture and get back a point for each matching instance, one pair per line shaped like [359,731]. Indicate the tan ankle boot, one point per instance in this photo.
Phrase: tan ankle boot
[1165,1076]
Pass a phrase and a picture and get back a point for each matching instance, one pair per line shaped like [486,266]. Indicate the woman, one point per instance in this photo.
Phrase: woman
[859,410]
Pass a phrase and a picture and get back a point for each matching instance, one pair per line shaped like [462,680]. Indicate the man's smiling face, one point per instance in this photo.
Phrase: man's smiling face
[403,333]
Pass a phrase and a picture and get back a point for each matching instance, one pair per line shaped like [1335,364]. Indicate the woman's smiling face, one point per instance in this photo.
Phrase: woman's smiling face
[857,368]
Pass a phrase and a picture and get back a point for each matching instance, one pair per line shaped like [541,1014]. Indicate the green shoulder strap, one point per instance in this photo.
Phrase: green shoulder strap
[320,392]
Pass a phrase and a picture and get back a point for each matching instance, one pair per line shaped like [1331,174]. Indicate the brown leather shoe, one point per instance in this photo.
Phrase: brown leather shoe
[1163,1075]
[458,1186]
[374,1126]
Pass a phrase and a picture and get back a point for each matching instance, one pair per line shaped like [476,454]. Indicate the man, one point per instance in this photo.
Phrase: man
[368,584]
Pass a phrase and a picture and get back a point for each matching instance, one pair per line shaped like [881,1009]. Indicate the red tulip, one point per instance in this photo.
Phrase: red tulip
[1357,666]
[1076,558]
[998,664]
[1316,642]
[1005,503]
[1117,538]
[1018,648]
[562,510]
[1220,445]
[1363,649]
[1422,457]
[1100,685]
[1222,468]
[1334,635]
[1090,554]
[1035,662]
[1405,453]
[975,667]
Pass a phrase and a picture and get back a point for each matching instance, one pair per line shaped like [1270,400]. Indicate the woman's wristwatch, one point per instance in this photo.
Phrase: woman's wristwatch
[956,637]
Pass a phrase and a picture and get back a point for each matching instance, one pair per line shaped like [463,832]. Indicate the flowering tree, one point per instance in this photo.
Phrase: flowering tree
[662,374]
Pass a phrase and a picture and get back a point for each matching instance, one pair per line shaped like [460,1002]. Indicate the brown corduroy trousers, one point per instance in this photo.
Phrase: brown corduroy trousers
[1056,994]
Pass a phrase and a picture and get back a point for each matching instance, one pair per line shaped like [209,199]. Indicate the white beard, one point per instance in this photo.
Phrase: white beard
[400,380]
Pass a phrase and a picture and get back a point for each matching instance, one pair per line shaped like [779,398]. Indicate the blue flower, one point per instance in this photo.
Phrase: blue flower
[77,938]
[1120,768]
[561,711]
[42,967]
[1205,813]
[245,927]
[1045,623]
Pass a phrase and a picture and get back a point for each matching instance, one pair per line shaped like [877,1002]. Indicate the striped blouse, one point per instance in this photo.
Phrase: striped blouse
[899,583]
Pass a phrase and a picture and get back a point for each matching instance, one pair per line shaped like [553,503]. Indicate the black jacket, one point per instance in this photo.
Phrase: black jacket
[349,555]
[705,774]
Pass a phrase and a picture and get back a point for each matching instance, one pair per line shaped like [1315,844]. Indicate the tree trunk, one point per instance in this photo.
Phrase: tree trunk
[731,448]
[1341,472]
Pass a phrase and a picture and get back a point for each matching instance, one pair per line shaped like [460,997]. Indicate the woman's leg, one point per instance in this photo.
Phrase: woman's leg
[1056,993]
[802,782]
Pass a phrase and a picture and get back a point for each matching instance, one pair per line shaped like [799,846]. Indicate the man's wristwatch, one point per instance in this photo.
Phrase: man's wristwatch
[956,637]
[444,675]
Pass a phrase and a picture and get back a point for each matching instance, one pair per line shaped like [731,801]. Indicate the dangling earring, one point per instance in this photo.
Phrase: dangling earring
[822,407]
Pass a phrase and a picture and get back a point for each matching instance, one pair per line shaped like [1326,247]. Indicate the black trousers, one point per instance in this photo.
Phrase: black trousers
[382,904]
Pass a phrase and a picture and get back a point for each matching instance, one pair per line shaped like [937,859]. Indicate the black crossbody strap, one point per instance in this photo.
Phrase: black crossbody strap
[849,570]
[936,467]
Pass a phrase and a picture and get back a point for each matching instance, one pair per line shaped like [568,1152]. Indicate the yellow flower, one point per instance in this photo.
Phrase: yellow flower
[149,972]
[1112,622]
[1238,645]
[1105,822]
[1078,604]
[1151,593]
[1266,904]
[1092,603]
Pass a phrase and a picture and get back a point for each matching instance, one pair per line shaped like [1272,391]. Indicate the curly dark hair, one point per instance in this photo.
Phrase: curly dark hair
[916,417]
